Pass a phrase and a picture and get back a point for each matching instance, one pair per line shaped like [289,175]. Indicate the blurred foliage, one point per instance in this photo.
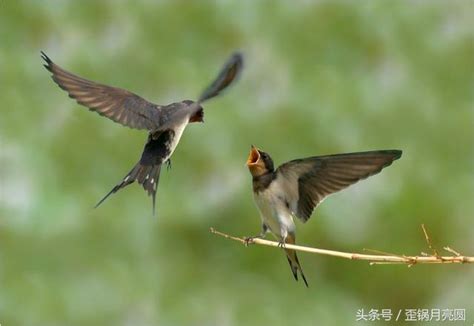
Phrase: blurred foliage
[321,77]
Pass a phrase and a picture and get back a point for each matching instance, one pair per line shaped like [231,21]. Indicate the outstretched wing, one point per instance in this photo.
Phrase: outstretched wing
[114,103]
[308,181]
[227,75]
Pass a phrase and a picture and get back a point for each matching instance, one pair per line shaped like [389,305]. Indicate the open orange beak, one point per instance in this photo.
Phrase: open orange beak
[254,156]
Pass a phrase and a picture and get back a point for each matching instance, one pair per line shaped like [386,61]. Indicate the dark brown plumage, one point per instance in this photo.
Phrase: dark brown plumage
[320,176]
[117,104]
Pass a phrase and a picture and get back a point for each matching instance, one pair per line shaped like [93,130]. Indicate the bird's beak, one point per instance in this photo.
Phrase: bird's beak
[254,156]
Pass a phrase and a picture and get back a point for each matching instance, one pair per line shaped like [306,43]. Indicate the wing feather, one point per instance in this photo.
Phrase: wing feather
[117,104]
[308,181]
[226,76]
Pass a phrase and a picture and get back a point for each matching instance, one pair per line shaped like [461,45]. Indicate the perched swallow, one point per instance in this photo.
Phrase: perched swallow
[165,123]
[296,187]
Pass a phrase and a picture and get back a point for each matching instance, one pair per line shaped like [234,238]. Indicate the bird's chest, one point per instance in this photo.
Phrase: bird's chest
[173,142]
[273,211]
[160,147]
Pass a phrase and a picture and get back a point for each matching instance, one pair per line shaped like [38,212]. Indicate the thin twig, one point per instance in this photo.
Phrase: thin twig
[428,241]
[448,249]
[373,259]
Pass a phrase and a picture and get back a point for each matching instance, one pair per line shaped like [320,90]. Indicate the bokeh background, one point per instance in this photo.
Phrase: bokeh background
[320,77]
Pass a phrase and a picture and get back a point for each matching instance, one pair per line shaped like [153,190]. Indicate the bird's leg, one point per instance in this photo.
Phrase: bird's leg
[261,235]
[168,164]
[281,243]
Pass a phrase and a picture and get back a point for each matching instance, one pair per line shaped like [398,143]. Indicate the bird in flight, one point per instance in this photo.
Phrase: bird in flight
[297,187]
[164,123]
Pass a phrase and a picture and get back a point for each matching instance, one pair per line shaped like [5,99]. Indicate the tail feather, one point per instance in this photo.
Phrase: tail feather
[150,182]
[129,179]
[293,260]
[146,175]
[294,268]
[295,265]
[141,175]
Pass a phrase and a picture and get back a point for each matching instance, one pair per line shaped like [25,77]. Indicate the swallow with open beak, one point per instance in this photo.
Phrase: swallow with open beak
[297,187]
[164,123]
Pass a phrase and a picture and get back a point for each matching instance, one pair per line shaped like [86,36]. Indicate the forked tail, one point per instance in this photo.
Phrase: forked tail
[295,265]
[146,175]
[293,260]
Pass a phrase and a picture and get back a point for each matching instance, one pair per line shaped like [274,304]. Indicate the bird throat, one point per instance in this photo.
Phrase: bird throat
[197,117]
[262,182]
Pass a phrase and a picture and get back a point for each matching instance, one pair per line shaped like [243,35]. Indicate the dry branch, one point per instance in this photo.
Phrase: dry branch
[383,258]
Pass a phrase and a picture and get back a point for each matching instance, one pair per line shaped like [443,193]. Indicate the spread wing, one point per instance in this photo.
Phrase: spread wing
[117,104]
[308,181]
[227,75]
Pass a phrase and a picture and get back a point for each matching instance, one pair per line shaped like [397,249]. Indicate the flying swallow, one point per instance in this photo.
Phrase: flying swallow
[297,187]
[164,123]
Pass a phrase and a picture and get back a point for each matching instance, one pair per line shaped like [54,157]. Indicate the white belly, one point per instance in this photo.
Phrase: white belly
[177,136]
[274,212]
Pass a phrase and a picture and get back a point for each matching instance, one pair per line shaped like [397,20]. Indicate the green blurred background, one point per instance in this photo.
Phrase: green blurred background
[320,77]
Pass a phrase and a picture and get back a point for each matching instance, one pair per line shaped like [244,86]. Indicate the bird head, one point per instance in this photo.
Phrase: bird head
[199,115]
[259,162]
